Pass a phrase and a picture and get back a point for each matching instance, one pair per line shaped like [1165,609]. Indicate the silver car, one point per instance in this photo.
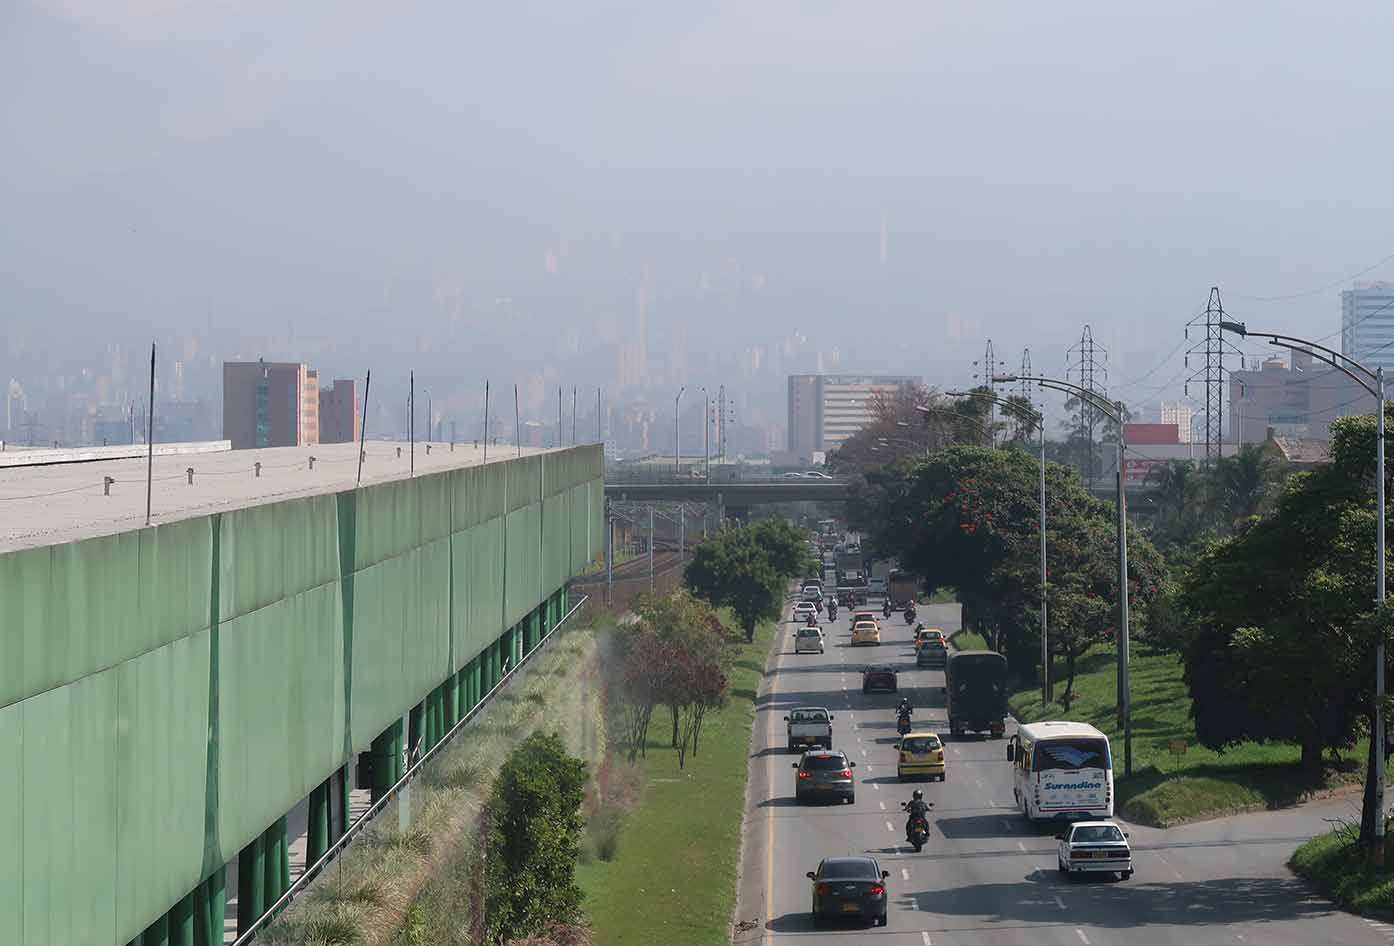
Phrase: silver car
[808,640]
[1094,847]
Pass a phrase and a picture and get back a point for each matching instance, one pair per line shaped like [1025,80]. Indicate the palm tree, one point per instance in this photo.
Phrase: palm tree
[1180,499]
[1242,483]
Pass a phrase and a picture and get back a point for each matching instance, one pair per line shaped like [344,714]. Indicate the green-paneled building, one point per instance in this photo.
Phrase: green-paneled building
[169,692]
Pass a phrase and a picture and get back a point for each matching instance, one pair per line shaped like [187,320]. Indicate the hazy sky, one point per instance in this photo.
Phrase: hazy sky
[316,170]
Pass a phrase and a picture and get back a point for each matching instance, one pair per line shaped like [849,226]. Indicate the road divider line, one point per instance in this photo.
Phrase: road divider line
[1082,938]
[882,804]
[890,827]
[904,873]
[1058,902]
[927,941]
[876,785]
[1022,846]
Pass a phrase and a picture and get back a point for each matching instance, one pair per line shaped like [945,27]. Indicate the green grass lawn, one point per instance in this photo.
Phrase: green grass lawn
[673,877]
[1343,872]
[1165,787]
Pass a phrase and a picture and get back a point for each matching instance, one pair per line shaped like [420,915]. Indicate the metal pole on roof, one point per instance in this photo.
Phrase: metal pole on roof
[486,420]
[517,423]
[150,440]
[363,426]
[559,417]
[411,420]
[573,415]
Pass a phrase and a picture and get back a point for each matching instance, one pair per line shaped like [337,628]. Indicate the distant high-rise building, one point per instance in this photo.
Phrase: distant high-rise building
[1367,324]
[826,409]
[339,419]
[1293,400]
[270,404]
[1182,416]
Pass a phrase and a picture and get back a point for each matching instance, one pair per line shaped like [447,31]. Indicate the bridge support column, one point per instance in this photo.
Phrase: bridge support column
[181,922]
[210,909]
[317,832]
[251,883]
[452,701]
[386,756]
[277,848]
[414,721]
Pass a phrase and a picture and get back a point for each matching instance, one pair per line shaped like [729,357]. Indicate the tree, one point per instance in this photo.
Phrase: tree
[737,570]
[1181,498]
[1241,484]
[696,639]
[1286,624]
[967,519]
[533,839]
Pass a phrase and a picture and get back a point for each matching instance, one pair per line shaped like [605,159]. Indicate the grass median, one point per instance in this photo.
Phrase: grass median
[1174,778]
[1334,865]
[672,876]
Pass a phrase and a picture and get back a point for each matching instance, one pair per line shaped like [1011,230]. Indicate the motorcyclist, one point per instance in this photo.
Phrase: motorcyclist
[904,710]
[910,612]
[886,609]
[812,619]
[916,807]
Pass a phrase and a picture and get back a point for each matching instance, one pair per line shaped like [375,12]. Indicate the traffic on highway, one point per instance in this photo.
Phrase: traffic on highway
[1019,842]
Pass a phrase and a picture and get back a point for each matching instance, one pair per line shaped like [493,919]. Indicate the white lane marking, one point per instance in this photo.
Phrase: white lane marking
[1006,825]
[890,827]
[927,941]
[1177,875]
[1239,937]
[1058,902]
[956,752]
[863,751]
[882,804]
[904,873]
[1021,846]
[876,785]
[978,781]
[854,715]
[1082,938]
[868,768]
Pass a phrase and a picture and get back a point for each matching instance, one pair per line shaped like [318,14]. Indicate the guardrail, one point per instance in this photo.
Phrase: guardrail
[411,773]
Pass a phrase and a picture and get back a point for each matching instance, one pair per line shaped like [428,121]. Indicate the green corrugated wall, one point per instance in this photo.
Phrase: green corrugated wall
[120,793]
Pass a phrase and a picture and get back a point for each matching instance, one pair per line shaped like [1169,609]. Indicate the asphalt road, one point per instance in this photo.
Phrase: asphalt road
[987,878]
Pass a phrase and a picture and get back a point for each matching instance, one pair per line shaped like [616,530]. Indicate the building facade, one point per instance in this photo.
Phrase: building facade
[270,404]
[339,418]
[826,409]
[1296,399]
[1182,415]
[1367,324]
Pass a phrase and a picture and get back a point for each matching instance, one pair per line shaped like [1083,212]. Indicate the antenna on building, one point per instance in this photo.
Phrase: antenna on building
[363,427]
[486,420]
[517,423]
[150,440]
[1083,368]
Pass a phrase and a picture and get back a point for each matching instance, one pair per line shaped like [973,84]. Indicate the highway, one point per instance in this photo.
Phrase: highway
[986,878]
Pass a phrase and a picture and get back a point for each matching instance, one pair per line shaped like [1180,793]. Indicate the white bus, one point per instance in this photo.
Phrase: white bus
[1061,770]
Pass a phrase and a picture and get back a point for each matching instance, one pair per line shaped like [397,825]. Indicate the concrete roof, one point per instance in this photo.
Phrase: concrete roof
[48,505]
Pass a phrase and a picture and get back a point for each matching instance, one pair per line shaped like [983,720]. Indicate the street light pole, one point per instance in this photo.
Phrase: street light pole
[650,548]
[1045,625]
[1373,382]
[1113,411]
[677,440]
[706,437]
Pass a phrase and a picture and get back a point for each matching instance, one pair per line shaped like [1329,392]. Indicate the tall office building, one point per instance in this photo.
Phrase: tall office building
[270,404]
[1182,415]
[1292,399]
[1367,324]
[826,409]
[339,419]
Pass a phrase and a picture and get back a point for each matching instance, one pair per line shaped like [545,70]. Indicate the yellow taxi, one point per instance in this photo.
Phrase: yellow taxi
[921,756]
[865,632]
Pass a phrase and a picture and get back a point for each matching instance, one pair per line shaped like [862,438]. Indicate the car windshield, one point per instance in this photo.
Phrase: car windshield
[1071,754]
[824,762]
[920,744]
[808,632]
[864,626]
[1087,833]
[849,869]
[808,716]
[879,670]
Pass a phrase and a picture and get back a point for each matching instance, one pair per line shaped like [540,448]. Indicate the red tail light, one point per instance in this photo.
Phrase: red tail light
[823,889]
[939,756]
[845,773]
[803,774]
[877,890]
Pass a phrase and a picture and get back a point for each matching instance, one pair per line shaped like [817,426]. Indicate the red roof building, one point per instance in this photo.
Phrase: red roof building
[1141,434]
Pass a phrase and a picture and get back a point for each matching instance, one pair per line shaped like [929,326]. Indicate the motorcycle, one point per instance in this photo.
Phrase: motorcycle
[909,615]
[902,723]
[832,613]
[918,831]
[886,611]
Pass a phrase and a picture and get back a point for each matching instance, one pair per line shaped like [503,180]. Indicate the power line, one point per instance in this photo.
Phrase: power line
[1323,288]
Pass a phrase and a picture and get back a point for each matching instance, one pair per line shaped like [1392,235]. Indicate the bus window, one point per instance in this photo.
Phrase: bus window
[1071,754]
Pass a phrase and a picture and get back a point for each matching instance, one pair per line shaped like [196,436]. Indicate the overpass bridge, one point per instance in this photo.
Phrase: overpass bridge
[730,493]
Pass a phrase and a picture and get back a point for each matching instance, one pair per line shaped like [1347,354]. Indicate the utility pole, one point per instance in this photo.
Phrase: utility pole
[1084,369]
[989,366]
[363,427]
[651,549]
[1210,350]
[721,424]
[706,436]
[559,418]
[677,441]
[517,424]
[411,420]
[149,440]
[573,415]
[486,420]
[599,433]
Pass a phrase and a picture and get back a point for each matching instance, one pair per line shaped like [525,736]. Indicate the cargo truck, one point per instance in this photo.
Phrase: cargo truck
[975,691]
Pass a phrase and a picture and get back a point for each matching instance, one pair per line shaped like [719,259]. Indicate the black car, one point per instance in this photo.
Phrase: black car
[825,775]
[932,653]
[879,677]
[849,887]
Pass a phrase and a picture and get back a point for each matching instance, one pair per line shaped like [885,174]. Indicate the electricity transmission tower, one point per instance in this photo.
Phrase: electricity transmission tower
[989,366]
[1084,368]
[1210,350]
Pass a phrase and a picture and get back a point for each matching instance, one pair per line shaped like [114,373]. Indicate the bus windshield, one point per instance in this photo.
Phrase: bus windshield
[1071,754]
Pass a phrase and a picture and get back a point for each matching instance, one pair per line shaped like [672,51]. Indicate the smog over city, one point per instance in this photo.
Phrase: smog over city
[637,197]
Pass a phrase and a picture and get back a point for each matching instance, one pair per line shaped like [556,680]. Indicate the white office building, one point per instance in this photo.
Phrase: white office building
[1367,325]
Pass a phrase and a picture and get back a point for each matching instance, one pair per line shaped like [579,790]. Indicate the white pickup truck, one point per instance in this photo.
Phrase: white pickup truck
[809,726]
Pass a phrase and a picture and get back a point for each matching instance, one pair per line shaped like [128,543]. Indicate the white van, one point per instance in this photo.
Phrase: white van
[1061,770]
